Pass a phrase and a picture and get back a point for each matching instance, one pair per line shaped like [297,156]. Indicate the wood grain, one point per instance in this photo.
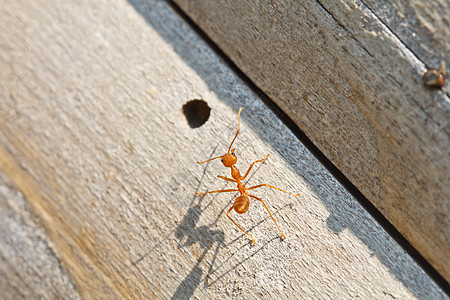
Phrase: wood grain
[421,26]
[351,80]
[29,267]
[93,136]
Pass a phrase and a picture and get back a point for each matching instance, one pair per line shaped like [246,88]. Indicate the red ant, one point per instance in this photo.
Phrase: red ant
[241,203]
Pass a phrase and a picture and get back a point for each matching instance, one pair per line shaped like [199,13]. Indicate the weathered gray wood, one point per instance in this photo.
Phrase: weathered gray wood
[356,90]
[422,26]
[29,268]
[93,136]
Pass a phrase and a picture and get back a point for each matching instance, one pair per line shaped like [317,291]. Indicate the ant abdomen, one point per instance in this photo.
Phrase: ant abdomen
[241,204]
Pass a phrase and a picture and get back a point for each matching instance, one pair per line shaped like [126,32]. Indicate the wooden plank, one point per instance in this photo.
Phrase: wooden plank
[29,267]
[422,26]
[356,90]
[93,135]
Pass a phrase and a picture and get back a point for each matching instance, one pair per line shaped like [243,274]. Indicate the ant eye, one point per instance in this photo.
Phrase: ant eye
[233,154]
[221,160]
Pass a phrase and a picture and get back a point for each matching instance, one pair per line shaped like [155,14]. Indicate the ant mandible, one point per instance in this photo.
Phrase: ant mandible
[241,203]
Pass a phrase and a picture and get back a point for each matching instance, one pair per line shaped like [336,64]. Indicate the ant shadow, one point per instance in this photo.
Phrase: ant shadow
[207,238]
[188,233]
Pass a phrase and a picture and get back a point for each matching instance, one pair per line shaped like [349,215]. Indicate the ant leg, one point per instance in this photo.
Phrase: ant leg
[269,214]
[260,185]
[251,166]
[226,178]
[253,240]
[219,191]
[239,129]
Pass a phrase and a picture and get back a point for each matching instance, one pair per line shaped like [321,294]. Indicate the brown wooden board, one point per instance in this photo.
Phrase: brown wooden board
[94,139]
[29,267]
[352,81]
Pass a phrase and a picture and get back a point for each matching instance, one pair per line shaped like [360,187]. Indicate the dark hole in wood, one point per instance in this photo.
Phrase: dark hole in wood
[196,112]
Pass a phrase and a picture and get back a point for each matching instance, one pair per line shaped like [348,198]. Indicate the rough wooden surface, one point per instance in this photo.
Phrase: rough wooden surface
[422,26]
[93,136]
[29,268]
[349,73]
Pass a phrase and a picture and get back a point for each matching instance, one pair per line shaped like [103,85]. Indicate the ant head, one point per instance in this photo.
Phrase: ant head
[229,159]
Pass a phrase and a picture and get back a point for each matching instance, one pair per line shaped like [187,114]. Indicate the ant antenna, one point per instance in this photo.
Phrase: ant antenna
[229,148]
[200,162]
[239,128]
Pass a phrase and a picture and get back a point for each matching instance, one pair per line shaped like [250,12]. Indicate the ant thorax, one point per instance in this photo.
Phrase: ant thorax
[235,173]
[241,188]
